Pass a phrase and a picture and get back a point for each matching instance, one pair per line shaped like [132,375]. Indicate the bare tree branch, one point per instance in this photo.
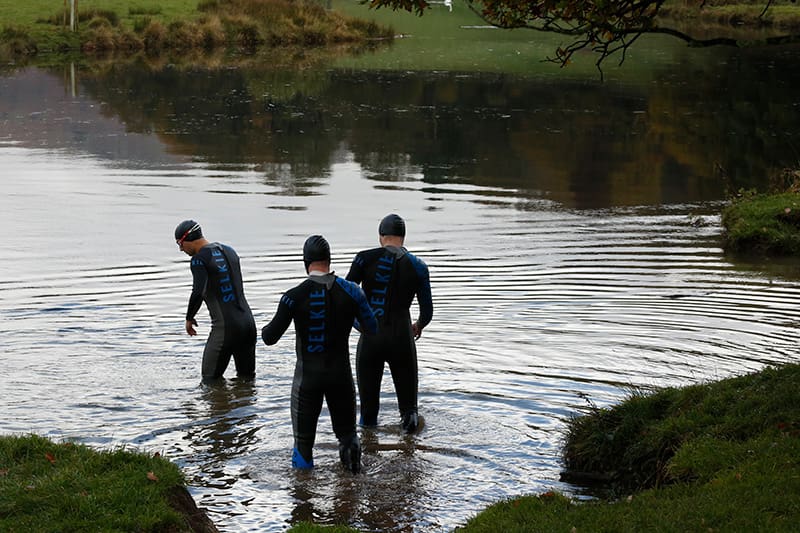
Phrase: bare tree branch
[767,6]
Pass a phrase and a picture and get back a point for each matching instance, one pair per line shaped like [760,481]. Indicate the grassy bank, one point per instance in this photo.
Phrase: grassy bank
[115,26]
[763,224]
[714,457]
[782,15]
[48,486]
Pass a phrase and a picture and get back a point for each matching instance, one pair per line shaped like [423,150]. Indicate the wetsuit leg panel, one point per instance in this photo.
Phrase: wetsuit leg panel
[215,355]
[244,355]
[369,371]
[340,396]
[403,366]
[306,407]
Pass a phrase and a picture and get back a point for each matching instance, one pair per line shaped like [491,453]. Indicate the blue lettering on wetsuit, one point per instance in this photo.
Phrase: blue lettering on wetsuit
[225,285]
[383,276]
[316,323]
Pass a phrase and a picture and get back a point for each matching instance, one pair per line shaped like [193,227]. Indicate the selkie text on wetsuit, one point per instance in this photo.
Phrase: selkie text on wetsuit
[217,280]
[390,277]
[323,309]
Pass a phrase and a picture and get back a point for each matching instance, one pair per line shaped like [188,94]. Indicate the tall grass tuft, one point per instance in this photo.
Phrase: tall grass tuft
[183,35]
[212,32]
[633,444]
[99,38]
[154,35]
[285,22]
[241,30]
[14,41]
[128,41]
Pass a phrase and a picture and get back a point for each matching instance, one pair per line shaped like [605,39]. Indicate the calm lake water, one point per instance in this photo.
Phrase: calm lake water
[571,228]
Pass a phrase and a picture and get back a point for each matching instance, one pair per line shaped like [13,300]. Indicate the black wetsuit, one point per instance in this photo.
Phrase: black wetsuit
[323,309]
[217,280]
[391,277]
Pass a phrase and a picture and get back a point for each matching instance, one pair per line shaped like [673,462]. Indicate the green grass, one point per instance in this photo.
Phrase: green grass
[456,41]
[763,224]
[49,486]
[461,41]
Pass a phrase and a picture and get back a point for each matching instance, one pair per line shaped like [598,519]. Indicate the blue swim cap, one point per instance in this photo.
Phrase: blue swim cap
[392,225]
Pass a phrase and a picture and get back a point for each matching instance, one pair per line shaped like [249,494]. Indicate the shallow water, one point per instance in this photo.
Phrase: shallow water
[560,279]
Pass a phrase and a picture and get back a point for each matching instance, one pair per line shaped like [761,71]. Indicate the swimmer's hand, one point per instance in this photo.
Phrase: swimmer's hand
[416,330]
[190,324]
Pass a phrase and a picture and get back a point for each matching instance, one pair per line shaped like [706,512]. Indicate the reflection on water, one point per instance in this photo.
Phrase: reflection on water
[571,230]
[682,135]
[224,429]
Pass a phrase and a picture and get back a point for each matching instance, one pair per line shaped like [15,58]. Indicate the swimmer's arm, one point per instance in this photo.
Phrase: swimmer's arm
[425,301]
[273,331]
[199,280]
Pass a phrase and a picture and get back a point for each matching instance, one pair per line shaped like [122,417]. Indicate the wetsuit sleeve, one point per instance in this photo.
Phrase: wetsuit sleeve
[356,274]
[365,318]
[273,331]
[199,280]
[424,297]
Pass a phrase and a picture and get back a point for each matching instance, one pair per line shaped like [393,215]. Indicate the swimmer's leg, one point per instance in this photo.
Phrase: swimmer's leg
[341,398]
[369,372]
[244,355]
[403,366]
[306,407]
[215,356]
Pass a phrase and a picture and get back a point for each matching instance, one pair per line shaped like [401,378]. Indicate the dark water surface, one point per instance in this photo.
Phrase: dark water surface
[571,229]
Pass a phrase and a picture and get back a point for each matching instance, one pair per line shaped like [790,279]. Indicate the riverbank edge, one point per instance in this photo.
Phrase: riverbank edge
[716,456]
[104,31]
[763,225]
[242,24]
[65,486]
[733,15]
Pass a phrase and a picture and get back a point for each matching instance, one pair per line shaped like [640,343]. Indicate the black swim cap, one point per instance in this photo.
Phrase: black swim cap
[392,225]
[188,230]
[316,248]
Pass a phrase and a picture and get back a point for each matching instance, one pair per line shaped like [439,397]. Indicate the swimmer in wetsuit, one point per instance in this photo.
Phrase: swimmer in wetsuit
[391,277]
[323,308]
[217,281]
